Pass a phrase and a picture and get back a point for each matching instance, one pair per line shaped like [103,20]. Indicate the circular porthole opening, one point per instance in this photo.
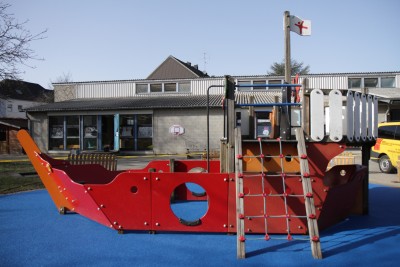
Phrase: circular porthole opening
[134,189]
[189,206]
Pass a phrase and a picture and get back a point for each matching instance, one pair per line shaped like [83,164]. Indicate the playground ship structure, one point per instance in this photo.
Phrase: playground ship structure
[274,185]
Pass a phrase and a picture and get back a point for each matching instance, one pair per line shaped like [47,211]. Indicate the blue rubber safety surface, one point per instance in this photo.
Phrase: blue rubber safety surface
[32,233]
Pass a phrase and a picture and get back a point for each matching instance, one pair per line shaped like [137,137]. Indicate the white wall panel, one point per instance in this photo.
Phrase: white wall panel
[106,89]
[199,86]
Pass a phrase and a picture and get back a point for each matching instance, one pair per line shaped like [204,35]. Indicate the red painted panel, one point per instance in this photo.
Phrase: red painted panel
[154,166]
[89,173]
[216,186]
[180,166]
[126,201]
[232,204]
[79,199]
[187,165]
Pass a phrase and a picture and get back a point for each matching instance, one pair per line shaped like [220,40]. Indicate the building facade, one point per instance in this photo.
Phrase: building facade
[15,98]
[166,113]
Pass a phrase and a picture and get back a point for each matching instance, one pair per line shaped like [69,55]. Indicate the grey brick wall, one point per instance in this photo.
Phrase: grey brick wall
[64,92]
[195,124]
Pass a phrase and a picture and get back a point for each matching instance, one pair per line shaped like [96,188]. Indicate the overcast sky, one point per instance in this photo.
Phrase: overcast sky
[96,40]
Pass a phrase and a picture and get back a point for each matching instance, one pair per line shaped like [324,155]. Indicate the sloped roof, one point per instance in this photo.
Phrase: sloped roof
[173,68]
[20,90]
[164,101]
[15,123]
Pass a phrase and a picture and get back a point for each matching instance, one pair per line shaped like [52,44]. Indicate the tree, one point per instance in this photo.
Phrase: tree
[278,69]
[15,42]
[64,78]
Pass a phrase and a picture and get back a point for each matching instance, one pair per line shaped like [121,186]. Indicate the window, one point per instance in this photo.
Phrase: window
[354,82]
[385,82]
[243,82]
[90,132]
[126,132]
[169,87]
[145,132]
[238,118]
[142,88]
[370,82]
[386,132]
[259,82]
[56,133]
[263,124]
[181,87]
[275,82]
[3,134]
[9,107]
[184,87]
[20,108]
[155,88]
[72,132]
[388,82]
[397,137]
[136,132]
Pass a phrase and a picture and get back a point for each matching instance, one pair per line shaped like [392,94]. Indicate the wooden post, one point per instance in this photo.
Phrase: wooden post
[172,165]
[285,128]
[252,131]
[288,70]
[305,117]
[231,122]
[313,230]
[240,241]
[365,156]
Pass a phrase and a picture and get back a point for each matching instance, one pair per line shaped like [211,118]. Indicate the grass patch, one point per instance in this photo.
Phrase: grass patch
[13,180]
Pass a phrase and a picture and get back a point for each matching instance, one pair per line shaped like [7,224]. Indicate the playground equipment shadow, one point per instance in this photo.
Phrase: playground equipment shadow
[32,233]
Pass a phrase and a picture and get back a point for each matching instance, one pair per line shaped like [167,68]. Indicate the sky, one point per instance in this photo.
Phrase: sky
[100,40]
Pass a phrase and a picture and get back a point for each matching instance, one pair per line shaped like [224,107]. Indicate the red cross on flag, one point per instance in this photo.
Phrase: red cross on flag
[299,26]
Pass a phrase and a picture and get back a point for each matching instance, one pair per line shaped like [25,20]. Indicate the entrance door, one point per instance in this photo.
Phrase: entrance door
[107,131]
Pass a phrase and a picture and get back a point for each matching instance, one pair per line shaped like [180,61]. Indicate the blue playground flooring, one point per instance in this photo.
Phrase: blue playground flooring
[32,233]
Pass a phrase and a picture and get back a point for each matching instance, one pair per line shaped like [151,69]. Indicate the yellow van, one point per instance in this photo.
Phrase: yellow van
[387,147]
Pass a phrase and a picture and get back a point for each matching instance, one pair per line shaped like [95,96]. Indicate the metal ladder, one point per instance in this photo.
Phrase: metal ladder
[307,195]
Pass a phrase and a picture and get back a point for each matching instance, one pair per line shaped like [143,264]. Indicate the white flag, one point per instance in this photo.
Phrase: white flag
[299,26]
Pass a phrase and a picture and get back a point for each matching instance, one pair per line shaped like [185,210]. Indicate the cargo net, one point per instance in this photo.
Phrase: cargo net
[266,195]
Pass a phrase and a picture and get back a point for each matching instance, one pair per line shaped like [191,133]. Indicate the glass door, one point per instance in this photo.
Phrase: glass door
[126,132]
[90,132]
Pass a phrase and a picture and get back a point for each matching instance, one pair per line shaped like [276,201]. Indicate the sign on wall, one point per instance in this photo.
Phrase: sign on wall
[176,130]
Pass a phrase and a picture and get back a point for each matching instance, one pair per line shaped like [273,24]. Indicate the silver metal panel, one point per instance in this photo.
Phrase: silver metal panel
[369,117]
[106,89]
[357,120]
[363,117]
[335,116]
[375,117]
[350,116]
[328,82]
[200,86]
[317,114]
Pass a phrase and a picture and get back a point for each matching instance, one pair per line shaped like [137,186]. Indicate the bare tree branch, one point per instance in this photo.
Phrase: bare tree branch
[15,42]
[64,78]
